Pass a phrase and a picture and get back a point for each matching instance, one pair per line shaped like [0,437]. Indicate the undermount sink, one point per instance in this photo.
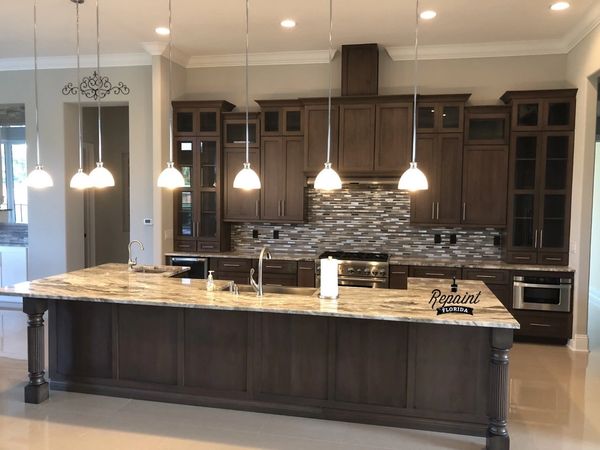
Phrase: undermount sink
[272,289]
[149,269]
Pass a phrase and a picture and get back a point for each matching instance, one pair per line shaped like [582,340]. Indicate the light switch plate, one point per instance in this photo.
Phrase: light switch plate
[147,221]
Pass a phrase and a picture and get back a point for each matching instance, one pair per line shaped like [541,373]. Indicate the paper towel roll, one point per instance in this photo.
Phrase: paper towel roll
[329,278]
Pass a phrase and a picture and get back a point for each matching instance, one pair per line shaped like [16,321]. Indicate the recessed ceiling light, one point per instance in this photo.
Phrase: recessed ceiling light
[288,23]
[428,15]
[560,6]
[163,31]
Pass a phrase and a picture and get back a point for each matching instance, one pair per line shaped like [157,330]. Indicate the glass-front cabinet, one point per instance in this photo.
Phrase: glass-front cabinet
[442,113]
[198,223]
[281,117]
[541,166]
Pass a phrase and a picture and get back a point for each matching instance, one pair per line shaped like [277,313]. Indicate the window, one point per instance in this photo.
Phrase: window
[14,180]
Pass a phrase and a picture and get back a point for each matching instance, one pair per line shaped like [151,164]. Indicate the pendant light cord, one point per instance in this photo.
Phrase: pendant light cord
[35,80]
[79,93]
[99,80]
[247,95]
[416,77]
[329,76]
[170,85]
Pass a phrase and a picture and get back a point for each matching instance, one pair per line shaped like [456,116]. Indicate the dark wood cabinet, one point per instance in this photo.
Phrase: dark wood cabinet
[315,135]
[440,158]
[498,281]
[198,206]
[281,117]
[441,113]
[357,138]
[487,125]
[398,277]
[435,272]
[485,185]
[240,205]
[545,110]
[306,274]
[393,137]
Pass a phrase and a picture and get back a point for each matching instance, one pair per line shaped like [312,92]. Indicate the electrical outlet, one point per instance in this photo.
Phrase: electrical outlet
[437,238]
[255,234]
[275,234]
[453,238]
[147,222]
[497,241]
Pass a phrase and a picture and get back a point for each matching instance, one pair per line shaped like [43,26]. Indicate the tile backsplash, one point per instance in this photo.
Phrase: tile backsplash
[375,220]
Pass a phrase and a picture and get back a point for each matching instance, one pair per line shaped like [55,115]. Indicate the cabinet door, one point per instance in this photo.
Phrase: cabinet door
[185,122]
[523,208]
[292,202]
[306,273]
[426,117]
[235,133]
[527,115]
[209,122]
[315,138]
[185,198]
[271,120]
[240,205]
[422,203]
[555,192]
[357,138]
[393,137]
[273,178]
[450,117]
[485,184]
[559,114]
[449,162]
[398,277]
[292,121]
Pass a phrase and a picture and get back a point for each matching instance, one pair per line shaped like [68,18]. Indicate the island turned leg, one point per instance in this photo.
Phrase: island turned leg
[37,389]
[497,432]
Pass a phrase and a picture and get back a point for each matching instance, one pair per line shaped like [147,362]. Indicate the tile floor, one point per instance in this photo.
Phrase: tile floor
[555,404]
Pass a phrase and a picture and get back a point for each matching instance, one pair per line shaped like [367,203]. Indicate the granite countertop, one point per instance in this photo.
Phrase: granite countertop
[113,283]
[474,264]
[284,256]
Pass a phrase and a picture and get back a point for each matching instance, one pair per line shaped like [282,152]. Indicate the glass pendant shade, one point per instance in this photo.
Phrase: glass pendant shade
[38,178]
[413,179]
[101,177]
[80,180]
[246,179]
[170,178]
[328,179]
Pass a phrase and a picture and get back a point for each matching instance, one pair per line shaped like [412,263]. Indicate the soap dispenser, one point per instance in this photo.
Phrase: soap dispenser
[210,282]
[454,286]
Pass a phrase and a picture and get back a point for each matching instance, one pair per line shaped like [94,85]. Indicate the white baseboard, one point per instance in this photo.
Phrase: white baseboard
[579,343]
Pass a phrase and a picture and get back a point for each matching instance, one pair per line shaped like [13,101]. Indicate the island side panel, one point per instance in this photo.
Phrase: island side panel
[36,390]
[497,432]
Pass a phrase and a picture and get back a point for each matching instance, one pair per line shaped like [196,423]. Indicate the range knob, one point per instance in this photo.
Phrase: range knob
[350,270]
[382,273]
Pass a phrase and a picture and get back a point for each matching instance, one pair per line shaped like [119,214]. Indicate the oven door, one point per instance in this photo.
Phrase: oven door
[542,295]
[363,282]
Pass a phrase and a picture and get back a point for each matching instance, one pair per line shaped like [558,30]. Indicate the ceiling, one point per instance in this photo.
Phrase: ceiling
[203,27]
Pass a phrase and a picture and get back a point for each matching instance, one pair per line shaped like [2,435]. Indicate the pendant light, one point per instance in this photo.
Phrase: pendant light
[38,178]
[328,179]
[247,179]
[80,180]
[414,179]
[100,177]
[170,178]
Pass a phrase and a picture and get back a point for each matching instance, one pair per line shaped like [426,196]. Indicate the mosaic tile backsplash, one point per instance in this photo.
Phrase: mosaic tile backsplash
[374,220]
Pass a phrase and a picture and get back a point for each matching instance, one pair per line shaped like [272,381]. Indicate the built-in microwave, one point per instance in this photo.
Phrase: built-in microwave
[542,293]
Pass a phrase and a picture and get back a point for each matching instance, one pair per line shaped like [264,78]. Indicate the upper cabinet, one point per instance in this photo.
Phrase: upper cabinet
[441,113]
[198,215]
[487,125]
[281,117]
[540,176]
[550,110]
[357,138]
[315,135]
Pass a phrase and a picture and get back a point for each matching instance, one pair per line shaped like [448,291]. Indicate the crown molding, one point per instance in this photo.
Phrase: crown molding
[261,59]
[583,28]
[481,50]
[160,48]
[70,62]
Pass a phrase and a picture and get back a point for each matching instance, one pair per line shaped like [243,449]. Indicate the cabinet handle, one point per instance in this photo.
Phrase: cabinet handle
[545,325]
[535,240]
[522,257]
[438,211]
[306,268]
[432,210]
[201,146]
[541,238]
[279,208]
[464,211]
[398,273]
[283,207]
[256,209]
[485,276]
[230,265]
[433,274]
[273,267]
[549,258]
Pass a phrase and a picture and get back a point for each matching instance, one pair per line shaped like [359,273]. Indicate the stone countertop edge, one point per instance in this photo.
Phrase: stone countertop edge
[113,283]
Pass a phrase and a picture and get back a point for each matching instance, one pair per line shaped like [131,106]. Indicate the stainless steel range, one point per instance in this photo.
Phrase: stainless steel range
[360,269]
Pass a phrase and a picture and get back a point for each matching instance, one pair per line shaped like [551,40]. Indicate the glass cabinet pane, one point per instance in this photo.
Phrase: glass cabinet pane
[236,133]
[185,214]
[293,121]
[185,122]
[557,158]
[554,221]
[186,171]
[208,164]
[528,114]
[523,220]
[185,152]
[272,121]
[208,121]
[486,129]
[208,214]
[450,117]
[525,160]
[559,113]
[426,117]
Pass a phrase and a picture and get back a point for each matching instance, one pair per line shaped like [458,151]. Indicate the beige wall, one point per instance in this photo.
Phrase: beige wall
[485,78]
[583,66]
[595,247]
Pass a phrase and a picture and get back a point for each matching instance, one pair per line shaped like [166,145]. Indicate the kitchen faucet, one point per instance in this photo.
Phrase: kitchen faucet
[258,287]
[132,262]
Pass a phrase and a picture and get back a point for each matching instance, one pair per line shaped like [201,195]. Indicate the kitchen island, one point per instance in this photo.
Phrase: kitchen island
[373,355]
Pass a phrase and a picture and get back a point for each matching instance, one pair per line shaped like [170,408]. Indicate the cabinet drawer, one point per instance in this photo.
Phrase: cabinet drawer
[208,246]
[234,265]
[398,277]
[558,259]
[434,272]
[521,257]
[488,276]
[279,279]
[279,266]
[236,277]
[306,274]
[185,246]
[543,325]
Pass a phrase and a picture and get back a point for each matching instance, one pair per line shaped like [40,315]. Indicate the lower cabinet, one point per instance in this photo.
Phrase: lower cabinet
[435,272]
[398,277]
[544,324]
[306,274]
[497,281]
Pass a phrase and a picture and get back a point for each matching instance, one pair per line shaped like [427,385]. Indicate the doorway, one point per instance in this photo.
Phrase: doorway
[106,211]
[594,304]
